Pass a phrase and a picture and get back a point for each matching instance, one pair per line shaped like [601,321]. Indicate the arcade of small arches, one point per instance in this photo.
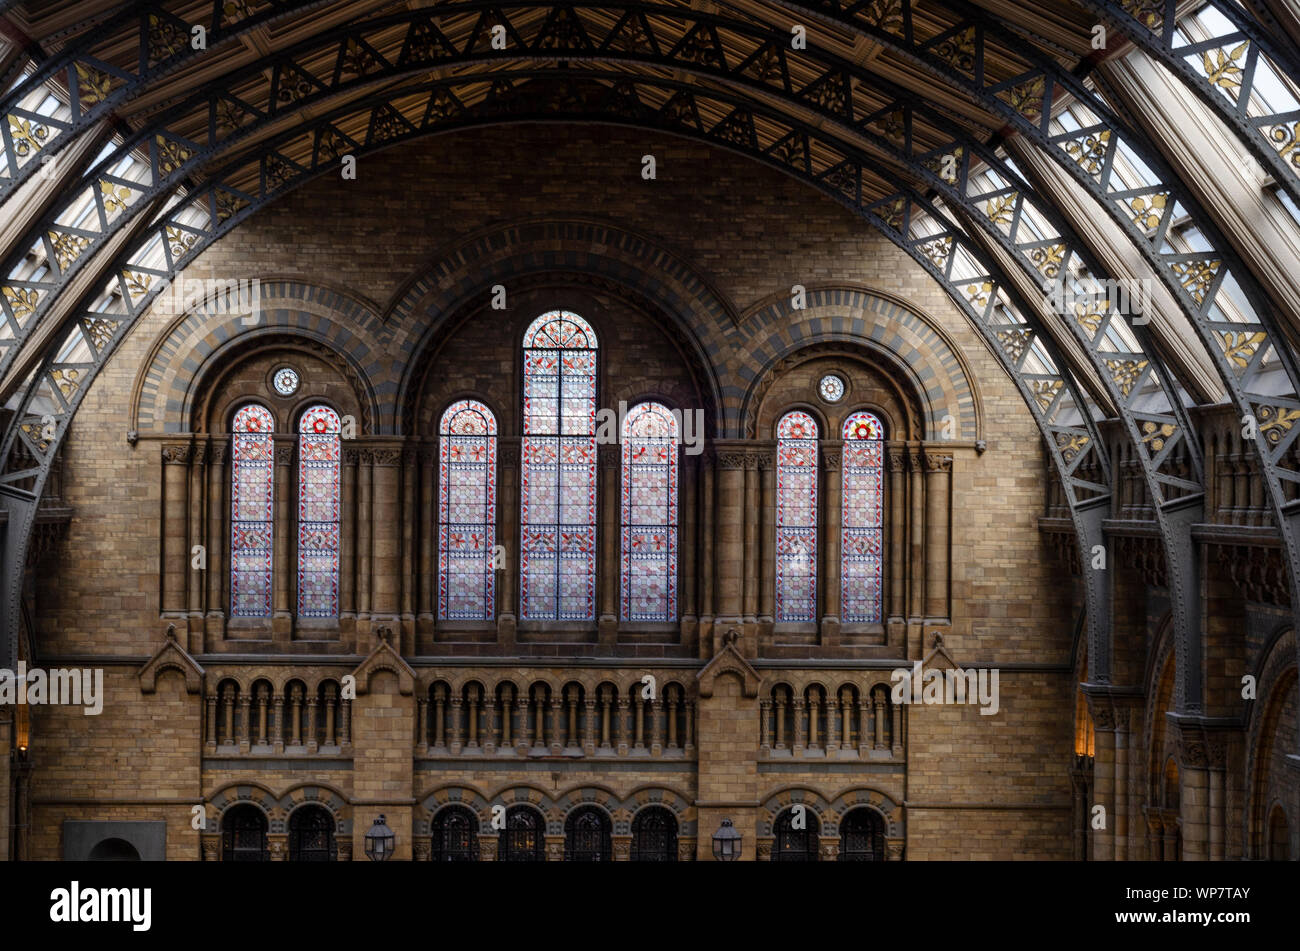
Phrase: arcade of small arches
[524,824]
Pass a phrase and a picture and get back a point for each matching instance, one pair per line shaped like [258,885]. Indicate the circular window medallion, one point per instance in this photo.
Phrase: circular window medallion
[286,381]
[831,388]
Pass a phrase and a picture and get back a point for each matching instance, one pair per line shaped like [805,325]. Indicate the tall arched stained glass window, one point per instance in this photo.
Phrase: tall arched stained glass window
[557,558]
[467,512]
[796,518]
[318,512]
[861,519]
[649,536]
[251,492]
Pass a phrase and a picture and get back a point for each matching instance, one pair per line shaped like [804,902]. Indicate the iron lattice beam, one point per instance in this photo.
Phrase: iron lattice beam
[1224,76]
[223,201]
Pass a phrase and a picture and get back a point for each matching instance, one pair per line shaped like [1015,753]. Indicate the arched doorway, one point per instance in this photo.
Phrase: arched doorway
[523,839]
[587,836]
[114,850]
[455,835]
[796,844]
[654,835]
[862,836]
[311,835]
[243,835]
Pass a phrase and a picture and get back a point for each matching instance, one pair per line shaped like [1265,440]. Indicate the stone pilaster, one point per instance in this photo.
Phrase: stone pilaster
[176,553]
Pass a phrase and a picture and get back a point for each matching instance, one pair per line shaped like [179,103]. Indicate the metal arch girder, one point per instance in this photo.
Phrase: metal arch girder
[1069,445]
[1273,138]
[96,89]
[173,157]
[1252,339]
[1238,349]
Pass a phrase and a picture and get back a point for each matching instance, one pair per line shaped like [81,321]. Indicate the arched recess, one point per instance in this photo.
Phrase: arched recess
[590,254]
[197,345]
[1049,389]
[878,327]
[1273,725]
[449,794]
[238,794]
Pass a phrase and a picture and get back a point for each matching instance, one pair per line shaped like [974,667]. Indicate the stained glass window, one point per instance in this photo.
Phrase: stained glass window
[796,517]
[649,514]
[251,491]
[318,512]
[557,559]
[861,514]
[467,512]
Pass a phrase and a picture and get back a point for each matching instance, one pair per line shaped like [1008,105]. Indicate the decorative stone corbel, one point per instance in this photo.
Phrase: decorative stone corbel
[171,655]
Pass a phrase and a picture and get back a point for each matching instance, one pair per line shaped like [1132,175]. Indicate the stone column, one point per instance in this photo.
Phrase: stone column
[589,727]
[198,536]
[1217,798]
[218,543]
[176,553]
[767,539]
[245,722]
[348,542]
[428,580]
[345,725]
[689,746]
[313,703]
[608,579]
[707,556]
[1103,776]
[730,544]
[895,544]
[277,724]
[508,533]
[210,741]
[523,738]
[422,725]
[764,727]
[621,725]
[687,542]
[938,486]
[553,728]
[864,731]
[364,520]
[455,743]
[798,728]
[831,542]
[410,518]
[916,553]
[284,578]
[751,556]
[1194,793]
[385,553]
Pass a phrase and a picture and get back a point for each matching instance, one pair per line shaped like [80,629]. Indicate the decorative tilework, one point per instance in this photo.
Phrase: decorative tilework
[319,454]
[251,491]
[796,518]
[467,512]
[861,520]
[557,561]
[649,527]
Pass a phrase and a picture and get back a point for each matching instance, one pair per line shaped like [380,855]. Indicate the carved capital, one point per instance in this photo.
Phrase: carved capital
[284,455]
[386,457]
[351,457]
[732,459]
[938,461]
[830,460]
[896,460]
[177,454]
[508,453]
[217,453]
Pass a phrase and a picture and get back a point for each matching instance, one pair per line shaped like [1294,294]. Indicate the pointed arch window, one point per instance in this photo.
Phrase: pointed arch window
[319,450]
[650,459]
[862,519]
[467,512]
[796,518]
[557,559]
[251,520]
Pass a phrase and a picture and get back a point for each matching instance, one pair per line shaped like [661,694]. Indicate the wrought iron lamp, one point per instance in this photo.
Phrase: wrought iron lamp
[726,842]
[379,841]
